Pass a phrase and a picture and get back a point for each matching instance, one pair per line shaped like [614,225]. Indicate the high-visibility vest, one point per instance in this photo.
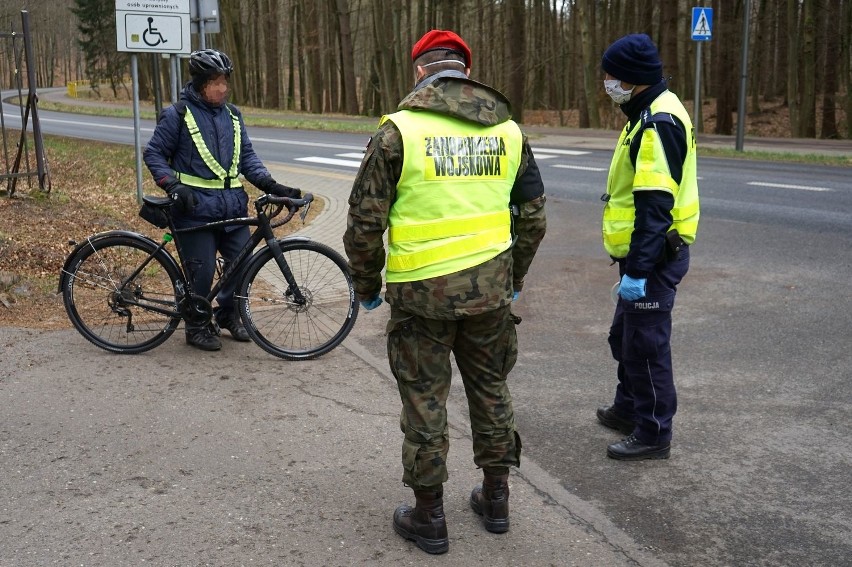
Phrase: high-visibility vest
[224,179]
[452,199]
[651,173]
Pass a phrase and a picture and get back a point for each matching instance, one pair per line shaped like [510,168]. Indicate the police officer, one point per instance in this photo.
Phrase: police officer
[198,150]
[439,175]
[650,218]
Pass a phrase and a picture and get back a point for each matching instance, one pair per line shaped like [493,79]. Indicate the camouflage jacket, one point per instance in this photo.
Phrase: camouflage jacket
[468,292]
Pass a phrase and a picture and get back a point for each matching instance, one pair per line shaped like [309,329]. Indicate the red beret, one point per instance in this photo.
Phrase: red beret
[441,39]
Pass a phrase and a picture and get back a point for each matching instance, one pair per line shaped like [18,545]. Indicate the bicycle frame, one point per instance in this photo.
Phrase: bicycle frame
[264,232]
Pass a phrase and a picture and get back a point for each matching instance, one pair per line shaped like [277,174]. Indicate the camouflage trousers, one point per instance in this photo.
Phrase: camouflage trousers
[485,348]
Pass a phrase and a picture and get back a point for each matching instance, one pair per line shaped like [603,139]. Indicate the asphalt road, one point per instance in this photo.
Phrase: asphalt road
[761,456]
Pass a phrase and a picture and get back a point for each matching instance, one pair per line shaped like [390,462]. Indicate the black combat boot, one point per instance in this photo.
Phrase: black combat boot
[424,524]
[491,501]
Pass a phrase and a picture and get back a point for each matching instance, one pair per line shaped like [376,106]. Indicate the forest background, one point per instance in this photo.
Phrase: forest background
[353,56]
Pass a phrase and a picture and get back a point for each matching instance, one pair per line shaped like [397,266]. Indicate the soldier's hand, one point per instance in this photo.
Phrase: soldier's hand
[372,303]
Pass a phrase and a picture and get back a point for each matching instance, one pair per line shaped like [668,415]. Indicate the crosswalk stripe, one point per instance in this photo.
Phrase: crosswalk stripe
[330,161]
[536,151]
[581,167]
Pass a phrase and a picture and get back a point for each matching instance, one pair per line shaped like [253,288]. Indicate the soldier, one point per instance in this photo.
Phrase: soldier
[649,221]
[442,175]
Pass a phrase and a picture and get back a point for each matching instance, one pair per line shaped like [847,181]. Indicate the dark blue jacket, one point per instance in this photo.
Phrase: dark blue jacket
[171,149]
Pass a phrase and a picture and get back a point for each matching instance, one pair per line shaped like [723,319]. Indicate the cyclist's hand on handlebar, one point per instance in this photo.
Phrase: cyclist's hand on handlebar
[283,191]
[183,198]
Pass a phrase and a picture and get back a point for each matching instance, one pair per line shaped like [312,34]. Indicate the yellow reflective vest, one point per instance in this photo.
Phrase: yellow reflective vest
[452,199]
[651,173]
[224,179]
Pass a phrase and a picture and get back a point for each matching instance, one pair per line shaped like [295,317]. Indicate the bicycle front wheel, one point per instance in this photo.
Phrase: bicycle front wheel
[115,299]
[278,321]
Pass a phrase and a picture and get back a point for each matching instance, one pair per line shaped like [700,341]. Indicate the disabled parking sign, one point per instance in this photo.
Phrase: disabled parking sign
[152,26]
[702,24]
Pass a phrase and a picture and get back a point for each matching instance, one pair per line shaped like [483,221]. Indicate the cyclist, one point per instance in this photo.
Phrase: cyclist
[198,150]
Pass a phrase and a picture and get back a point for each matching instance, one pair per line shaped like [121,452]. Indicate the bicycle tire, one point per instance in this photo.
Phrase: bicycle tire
[90,291]
[272,317]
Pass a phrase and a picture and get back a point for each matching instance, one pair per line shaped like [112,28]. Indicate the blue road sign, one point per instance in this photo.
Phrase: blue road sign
[702,24]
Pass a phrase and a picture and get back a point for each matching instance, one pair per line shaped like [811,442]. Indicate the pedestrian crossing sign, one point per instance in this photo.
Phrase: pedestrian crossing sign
[702,24]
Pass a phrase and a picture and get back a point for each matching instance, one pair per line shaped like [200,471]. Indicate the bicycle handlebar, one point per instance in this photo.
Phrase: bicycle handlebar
[293,205]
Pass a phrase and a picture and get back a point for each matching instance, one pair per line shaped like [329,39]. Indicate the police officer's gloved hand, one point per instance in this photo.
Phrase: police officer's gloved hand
[372,303]
[632,289]
[183,197]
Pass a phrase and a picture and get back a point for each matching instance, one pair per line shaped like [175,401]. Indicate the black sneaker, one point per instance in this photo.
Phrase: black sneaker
[203,339]
[236,328]
[611,418]
[631,449]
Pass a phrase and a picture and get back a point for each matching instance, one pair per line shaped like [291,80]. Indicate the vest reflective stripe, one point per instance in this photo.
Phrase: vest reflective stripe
[651,173]
[448,228]
[463,246]
[224,179]
[451,208]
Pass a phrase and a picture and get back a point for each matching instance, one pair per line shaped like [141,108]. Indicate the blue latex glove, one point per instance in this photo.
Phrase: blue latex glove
[516,295]
[372,303]
[632,289]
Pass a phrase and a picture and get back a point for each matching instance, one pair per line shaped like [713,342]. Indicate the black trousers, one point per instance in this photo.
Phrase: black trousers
[640,339]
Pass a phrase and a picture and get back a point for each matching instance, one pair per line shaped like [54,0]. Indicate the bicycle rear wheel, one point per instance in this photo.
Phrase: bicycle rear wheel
[281,325]
[111,307]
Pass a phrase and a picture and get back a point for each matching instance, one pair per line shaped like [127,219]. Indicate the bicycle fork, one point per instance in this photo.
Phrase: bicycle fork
[293,287]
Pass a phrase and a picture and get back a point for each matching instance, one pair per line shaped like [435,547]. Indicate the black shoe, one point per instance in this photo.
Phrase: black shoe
[610,417]
[203,338]
[631,449]
[236,328]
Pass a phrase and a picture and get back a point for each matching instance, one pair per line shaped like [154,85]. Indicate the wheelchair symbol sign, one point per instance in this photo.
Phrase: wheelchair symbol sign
[154,32]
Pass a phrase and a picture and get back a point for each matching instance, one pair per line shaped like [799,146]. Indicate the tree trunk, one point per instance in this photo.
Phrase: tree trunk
[516,37]
[807,126]
[347,58]
[792,65]
[272,92]
[830,82]
[591,76]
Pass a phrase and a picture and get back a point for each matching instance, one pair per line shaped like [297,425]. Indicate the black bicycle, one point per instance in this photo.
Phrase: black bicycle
[125,293]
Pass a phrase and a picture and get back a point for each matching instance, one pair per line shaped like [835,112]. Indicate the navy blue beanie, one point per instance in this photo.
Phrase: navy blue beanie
[634,59]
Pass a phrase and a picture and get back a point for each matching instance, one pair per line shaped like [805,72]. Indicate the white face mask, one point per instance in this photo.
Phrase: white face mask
[615,92]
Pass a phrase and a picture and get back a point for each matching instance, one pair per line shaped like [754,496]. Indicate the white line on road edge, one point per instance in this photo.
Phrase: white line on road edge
[582,167]
[785,186]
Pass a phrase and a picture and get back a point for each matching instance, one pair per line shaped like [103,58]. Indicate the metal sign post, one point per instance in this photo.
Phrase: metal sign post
[204,19]
[149,27]
[741,113]
[702,30]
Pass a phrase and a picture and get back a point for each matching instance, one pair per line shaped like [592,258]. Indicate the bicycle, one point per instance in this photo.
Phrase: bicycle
[125,293]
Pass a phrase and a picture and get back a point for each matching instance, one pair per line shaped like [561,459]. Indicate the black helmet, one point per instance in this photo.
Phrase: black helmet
[209,62]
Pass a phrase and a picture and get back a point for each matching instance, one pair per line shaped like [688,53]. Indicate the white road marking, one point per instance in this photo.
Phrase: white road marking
[786,186]
[580,167]
[330,161]
[312,144]
[559,152]
[353,155]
